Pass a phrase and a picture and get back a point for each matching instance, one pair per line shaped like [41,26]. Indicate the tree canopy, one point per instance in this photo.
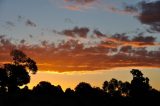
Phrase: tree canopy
[16,74]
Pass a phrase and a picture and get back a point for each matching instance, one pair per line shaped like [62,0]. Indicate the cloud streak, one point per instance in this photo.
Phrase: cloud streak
[72,55]
[79,5]
[83,2]
[83,5]
[125,10]
[73,8]
[136,41]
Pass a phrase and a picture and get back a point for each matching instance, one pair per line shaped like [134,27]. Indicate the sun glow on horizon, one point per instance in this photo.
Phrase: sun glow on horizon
[95,78]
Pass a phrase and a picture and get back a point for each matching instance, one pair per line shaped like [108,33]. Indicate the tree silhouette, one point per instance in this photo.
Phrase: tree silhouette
[136,73]
[98,92]
[116,88]
[112,93]
[46,89]
[15,74]
[111,87]
[43,88]
[105,86]
[125,88]
[139,85]
[31,65]
[19,58]
[83,89]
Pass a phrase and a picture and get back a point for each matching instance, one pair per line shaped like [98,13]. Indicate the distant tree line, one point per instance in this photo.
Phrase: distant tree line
[112,93]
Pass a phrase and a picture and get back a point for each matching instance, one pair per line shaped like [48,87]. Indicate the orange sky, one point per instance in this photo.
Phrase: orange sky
[95,78]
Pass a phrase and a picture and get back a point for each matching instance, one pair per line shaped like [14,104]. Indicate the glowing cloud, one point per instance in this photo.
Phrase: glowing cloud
[73,55]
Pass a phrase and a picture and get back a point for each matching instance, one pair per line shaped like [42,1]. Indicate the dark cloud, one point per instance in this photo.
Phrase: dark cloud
[150,14]
[80,32]
[44,43]
[146,39]
[147,13]
[57,32]
[4,40]
[22,41]
[5,43]
[30,23]
[2,36]
[130,9]
[123,40]
[111,41]
[120,37]
[98,33]
[126,49]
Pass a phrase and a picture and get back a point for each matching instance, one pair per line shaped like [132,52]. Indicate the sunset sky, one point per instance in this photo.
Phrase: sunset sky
[83,40]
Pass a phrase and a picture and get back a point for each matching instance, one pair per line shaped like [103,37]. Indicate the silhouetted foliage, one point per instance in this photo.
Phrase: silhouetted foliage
[69,92]
[139,85]
[105,86]
[125,88]
[19,58]
[46,89]
[31,64]
[98,92]
[116,88]
[15,74]
[83,89]
[114,92]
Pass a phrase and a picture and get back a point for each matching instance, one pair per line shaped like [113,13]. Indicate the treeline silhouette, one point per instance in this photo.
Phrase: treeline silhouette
[114,92]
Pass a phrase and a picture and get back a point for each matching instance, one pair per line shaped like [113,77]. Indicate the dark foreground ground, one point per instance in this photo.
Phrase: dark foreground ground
[74,100]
